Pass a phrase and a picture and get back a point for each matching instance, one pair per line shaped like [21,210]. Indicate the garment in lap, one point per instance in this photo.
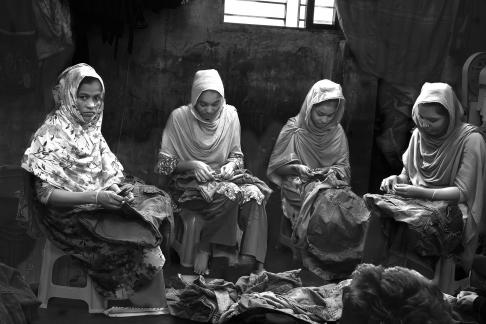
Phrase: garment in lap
[330,228]
[120,252]
[225,203]
[437,226]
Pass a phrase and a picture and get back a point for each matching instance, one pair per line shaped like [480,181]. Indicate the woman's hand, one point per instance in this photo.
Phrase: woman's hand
[303,171]
[388,184]
[203,172]
[406,190]
[126,192]
[109,200]
[228,170]
[465,299]
[322,171]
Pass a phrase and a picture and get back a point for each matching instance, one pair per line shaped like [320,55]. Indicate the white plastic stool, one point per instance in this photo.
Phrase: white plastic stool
[185,243]
[47,289]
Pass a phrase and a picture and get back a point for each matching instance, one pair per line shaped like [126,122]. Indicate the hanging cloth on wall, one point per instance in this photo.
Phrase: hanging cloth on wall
[404,42]
[53,24]
[17,40]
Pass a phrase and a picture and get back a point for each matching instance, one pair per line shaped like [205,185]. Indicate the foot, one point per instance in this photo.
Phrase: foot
[201,263]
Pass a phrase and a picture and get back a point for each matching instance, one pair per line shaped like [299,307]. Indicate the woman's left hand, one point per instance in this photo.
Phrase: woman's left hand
[406,190]
[228,170]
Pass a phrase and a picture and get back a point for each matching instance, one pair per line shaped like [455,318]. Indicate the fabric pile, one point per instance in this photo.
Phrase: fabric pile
[218,301]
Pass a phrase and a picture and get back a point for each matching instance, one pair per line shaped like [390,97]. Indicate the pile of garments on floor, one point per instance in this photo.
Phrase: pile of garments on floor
[18,304]
[220,301]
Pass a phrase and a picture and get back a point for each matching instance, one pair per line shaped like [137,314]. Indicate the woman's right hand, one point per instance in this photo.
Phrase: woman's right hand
[387,184]
[203,172]
[303,171]
[110,200]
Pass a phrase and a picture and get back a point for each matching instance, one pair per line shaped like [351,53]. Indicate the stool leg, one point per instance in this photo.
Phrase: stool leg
[45,280]
[189,240]
[96,303]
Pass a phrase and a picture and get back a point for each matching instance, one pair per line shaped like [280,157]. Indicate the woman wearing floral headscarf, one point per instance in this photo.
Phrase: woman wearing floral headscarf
[310,162]
[78,179]
[445,160]
[201,152]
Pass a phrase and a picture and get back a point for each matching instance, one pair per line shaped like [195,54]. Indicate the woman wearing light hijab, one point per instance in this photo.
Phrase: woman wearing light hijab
[78,180]
[445,160]
[310,163]
[201,152]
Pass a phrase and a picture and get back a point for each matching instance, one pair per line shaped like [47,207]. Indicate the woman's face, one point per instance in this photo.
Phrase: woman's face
[323,113]
[209,104]
[433,119]
[89,99]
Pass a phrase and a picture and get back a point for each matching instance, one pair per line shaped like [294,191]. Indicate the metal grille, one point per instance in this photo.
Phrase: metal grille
[284,13]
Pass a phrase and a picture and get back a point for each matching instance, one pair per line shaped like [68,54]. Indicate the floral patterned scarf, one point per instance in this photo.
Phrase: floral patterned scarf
[67,152]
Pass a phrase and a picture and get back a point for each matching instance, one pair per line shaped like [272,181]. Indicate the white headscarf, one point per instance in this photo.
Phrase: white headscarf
[187,136]
[300,141]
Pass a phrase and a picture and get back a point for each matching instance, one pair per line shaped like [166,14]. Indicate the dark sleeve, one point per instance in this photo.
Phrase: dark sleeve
[479,307]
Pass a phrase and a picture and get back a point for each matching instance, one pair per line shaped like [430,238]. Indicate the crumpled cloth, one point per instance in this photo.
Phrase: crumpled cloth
[243,186]
[217,301]
[18,304]
[437,225]
[310,304]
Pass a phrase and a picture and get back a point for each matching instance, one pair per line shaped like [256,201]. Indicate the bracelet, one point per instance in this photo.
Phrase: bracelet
[433,194]
[96,197]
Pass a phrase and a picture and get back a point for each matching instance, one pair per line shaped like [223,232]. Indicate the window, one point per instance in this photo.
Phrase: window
[284,13]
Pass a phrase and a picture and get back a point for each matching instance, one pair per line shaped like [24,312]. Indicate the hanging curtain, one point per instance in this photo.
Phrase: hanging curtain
[401,41]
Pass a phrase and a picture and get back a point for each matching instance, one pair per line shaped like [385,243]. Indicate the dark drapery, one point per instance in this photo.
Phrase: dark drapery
[401,41]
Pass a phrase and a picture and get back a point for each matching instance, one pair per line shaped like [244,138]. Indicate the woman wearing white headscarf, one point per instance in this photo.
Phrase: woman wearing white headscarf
[445,160]
[310,162]
[201,152]
[78,180]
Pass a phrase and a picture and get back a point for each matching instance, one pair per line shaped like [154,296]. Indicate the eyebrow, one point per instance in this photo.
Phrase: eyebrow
[210,103]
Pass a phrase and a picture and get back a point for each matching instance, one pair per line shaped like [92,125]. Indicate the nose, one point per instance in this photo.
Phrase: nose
[325,120]
[91,103]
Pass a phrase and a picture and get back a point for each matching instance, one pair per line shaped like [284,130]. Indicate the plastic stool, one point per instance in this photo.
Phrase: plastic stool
[47,289]
[185,243]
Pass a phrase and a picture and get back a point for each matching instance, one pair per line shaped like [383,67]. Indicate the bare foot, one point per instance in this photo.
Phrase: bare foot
[201,263]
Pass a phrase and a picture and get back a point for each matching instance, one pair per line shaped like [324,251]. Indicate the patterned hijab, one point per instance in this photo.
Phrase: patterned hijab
[67,152]
[187,136]
[434,162]
[300,141]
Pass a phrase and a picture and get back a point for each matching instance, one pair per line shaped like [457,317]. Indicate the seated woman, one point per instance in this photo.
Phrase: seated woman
[201,152]
[78,179]
[393,295]
[445,161]
[310,162]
